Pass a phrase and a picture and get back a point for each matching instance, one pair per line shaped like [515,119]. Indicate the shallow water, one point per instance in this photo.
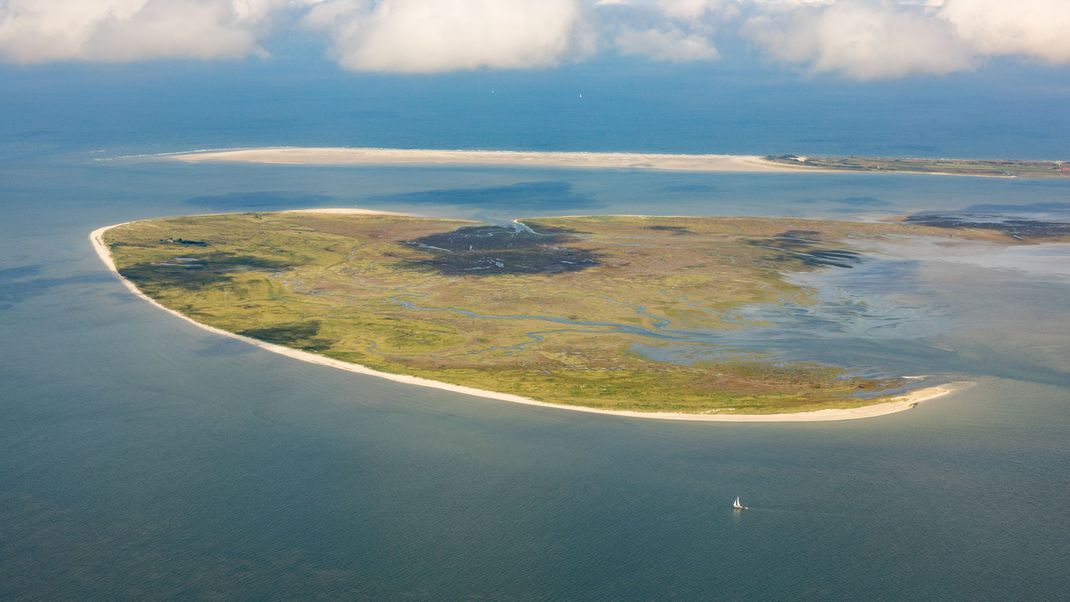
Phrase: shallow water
[141,457]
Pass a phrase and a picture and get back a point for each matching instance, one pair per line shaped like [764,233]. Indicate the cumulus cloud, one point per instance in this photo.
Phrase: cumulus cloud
[425,36]
[862,40]
[872,39]
[1037,29]
[663,30]
[672,45]
[691,10]
[36,31]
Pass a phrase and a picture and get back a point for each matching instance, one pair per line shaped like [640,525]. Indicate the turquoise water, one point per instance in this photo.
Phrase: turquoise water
[141,458]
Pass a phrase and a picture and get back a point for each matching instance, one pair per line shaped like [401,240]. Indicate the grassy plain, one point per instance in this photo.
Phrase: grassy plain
[961,167]
[554,311]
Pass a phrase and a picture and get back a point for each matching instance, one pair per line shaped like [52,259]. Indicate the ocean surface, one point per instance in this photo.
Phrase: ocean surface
[143,458]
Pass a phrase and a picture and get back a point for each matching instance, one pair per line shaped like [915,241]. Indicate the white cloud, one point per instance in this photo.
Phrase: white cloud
[672,45]
[424,36]
[862,40]
[664,30]
[690,10]
[35,31]
[874,39]
[1037,29]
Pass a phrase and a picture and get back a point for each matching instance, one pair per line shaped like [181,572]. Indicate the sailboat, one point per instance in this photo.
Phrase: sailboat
[737,505]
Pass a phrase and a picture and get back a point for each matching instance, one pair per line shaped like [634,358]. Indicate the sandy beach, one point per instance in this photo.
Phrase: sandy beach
[896,404]
[394,156]
[346,211]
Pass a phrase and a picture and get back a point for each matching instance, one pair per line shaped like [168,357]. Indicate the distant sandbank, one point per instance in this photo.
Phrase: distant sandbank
[896,404]
[397,156]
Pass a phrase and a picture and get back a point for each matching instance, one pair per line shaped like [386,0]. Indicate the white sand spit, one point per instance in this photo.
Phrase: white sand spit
[398,156]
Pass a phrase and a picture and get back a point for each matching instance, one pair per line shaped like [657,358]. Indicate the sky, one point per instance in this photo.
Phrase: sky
[953,78]
[857,40]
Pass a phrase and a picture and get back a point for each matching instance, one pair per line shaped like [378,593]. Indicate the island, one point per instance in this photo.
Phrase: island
[702,163]
[576,312]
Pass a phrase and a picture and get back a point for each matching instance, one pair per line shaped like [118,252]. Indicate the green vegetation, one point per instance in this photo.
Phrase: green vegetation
[299,335]
[553,313]
[962,167]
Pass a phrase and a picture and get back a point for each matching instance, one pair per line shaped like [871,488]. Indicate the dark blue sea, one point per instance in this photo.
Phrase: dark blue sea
[142,458]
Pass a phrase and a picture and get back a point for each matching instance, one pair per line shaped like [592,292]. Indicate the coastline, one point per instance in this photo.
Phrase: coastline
[896,404]
[392,156]
[346,211]
[678,162]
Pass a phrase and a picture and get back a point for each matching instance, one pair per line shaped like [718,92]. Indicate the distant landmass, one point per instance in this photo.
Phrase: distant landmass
[955,167]
[710,163]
